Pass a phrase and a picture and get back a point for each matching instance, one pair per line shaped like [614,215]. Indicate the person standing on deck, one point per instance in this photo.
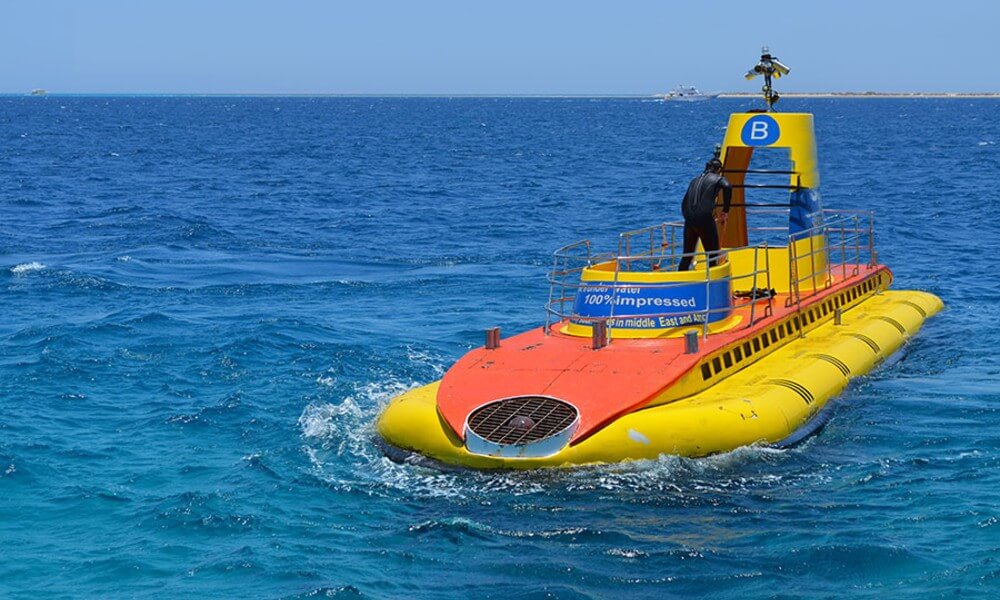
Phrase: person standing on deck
[698,207]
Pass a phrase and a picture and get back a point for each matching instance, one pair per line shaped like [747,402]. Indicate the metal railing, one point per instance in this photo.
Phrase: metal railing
[850,232]
[653,248]
[659,247]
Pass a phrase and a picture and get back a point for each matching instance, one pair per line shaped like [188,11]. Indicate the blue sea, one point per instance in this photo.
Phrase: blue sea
[207,301]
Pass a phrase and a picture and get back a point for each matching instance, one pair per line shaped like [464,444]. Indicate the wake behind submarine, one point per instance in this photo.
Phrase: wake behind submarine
[637,359]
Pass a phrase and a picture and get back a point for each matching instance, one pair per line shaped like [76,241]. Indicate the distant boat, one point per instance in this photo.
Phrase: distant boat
[38,92]
[687,93]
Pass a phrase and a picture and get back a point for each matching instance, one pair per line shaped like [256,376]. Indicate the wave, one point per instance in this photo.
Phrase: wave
[471,528]
[61,277]
[27,267]
[344,452]
[340,591]
[208,415]
[204,511]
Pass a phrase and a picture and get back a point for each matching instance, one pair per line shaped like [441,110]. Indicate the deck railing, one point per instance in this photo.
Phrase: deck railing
[849,234]
[570,261]
[659,247]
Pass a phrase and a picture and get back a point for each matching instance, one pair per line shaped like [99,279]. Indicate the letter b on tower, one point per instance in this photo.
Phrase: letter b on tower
[760,130]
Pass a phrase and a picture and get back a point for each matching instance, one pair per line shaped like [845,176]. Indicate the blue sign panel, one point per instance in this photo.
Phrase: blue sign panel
[806,213]
[761,130]
[653,306]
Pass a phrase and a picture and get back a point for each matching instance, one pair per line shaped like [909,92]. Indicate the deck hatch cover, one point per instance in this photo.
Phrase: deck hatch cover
[522,420]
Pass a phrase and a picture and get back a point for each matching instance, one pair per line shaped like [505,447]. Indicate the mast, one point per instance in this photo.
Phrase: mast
[769,67]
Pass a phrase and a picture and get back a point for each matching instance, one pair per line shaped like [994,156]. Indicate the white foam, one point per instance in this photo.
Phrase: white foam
[323,420]
[425,358]
[626,553]
[28,267]
[339,435]
[340,443]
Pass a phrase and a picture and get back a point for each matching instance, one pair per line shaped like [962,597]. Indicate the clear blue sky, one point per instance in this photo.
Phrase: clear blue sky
[494,47]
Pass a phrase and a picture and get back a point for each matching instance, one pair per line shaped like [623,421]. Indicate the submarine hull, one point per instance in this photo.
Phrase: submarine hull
[777,400]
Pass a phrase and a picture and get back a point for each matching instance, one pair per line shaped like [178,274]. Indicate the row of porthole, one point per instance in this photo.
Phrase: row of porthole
[730,357]
[840,300]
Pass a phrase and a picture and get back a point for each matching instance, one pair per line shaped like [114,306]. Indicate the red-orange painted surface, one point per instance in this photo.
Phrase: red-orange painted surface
[602,384]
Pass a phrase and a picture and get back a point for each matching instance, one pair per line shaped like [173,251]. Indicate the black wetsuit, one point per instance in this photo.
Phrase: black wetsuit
[697,207]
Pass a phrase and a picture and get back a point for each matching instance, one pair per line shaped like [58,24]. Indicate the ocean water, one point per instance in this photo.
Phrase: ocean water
[206,302]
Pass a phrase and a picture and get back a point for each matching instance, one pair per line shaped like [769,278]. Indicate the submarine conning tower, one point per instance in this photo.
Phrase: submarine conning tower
[637,290]
[792,132]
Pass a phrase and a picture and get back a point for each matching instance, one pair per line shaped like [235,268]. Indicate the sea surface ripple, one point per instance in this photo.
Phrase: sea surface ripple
[208,300]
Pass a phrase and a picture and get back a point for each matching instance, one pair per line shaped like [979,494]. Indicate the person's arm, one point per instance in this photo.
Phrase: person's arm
[727,193]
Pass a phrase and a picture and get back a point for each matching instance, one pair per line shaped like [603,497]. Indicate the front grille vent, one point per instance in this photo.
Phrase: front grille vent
[522,420]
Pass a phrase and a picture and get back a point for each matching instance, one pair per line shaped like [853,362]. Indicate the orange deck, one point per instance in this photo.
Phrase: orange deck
[603,384]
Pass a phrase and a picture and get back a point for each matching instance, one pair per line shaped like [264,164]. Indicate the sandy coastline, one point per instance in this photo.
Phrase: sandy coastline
[867,95]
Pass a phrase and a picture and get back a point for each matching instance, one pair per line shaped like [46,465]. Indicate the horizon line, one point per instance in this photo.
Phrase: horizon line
[656,96]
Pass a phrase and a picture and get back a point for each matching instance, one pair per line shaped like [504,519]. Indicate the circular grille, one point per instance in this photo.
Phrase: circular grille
[522,420]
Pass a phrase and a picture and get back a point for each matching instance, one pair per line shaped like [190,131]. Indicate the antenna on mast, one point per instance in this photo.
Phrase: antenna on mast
[769,66]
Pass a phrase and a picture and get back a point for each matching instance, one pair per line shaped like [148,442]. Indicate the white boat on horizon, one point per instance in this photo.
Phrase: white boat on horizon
[687,93]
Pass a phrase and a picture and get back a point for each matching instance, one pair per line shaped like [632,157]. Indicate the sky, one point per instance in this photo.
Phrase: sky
[499,47]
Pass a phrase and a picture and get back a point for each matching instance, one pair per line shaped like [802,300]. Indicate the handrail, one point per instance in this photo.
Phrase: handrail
[845,225]
[556,307]
[852,231]
[763,171]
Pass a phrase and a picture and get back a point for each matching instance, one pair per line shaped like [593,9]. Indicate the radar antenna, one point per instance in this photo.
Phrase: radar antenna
[769,66]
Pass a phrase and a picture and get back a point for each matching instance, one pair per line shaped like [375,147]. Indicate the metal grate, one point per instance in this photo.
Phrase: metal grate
[521,420]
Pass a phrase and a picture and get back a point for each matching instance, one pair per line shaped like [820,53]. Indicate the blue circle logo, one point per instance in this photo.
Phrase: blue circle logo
[761,130]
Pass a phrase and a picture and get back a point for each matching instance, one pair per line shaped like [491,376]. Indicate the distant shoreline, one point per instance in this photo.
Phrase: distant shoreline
[868,95]
[806,95]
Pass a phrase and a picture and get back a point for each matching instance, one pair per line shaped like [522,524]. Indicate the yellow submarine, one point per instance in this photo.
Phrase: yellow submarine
[638,360]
